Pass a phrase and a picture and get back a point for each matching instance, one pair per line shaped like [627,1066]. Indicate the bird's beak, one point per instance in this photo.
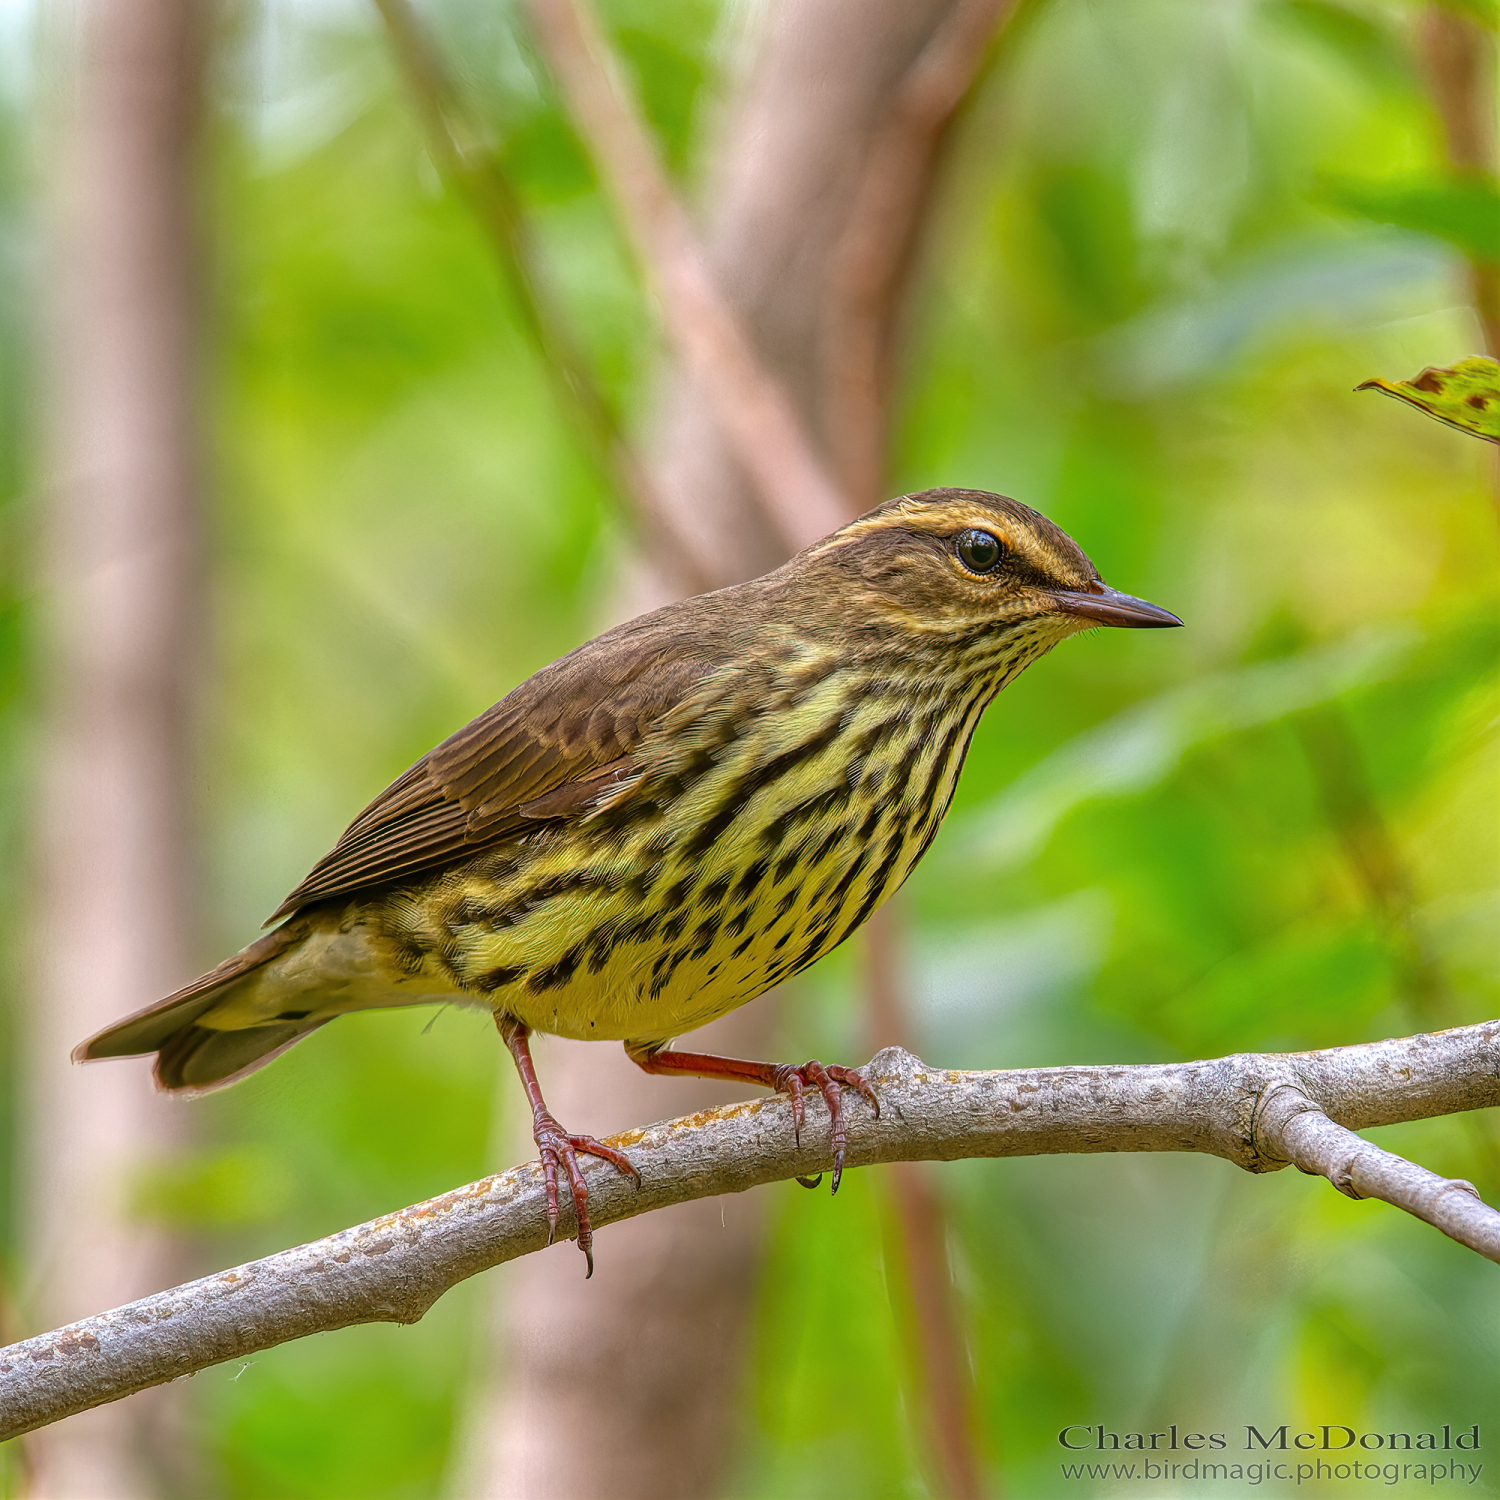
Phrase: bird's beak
[1111,607]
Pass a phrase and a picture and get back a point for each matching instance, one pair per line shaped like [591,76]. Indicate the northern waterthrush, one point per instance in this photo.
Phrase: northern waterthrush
[668,821]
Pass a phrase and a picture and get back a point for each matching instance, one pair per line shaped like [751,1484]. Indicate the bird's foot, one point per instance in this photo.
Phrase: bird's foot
[559,1149]
[783,1078]
[827,1080]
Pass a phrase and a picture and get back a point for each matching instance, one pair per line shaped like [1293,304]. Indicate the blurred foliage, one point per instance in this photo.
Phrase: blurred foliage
[1461,210]
[210,1190]
[1143,312]
[15,238]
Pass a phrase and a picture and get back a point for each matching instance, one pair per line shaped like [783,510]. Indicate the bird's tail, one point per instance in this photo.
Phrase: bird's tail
[195,1058]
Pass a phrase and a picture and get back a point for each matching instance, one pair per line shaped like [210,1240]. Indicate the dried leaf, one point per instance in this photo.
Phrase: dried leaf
[1465,396]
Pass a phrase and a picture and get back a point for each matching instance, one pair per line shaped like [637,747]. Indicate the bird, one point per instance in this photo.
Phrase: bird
[668,821]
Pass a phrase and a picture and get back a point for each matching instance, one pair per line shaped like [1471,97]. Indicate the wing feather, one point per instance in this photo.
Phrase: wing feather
[543,752]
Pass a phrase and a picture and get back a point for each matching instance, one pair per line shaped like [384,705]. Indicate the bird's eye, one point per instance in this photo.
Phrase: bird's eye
[978,551]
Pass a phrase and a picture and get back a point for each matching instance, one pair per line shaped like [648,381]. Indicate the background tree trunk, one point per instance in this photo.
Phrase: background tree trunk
[1458,59]
[628,1388]
[119,559]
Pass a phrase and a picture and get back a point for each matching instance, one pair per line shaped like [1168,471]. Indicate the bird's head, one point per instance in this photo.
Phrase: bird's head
[964,565]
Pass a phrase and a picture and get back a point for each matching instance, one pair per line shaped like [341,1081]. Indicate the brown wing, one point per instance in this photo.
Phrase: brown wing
[540,753]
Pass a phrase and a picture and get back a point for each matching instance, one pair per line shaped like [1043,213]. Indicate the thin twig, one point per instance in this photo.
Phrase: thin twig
[472,170]
[1359,1169]
[948,1399]
[1377,863]
[871,259]
[1259,1111]
[946,1379]
[1374,857]
[755,415]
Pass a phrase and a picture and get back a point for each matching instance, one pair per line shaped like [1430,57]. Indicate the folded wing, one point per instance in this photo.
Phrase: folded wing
[536,755]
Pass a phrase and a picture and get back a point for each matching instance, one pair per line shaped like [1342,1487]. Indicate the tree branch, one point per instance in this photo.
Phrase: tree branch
[1260,1111]
[871,259]
[752,409]
[472,170]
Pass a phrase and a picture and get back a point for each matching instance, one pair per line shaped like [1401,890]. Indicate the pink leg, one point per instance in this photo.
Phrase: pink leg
[782,1077]
[557,1147]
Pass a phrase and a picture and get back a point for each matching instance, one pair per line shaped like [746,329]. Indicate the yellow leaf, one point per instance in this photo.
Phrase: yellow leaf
[1465,396]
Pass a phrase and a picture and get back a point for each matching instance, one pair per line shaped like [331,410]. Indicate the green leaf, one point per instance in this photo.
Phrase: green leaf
[1465,395]
[1462,210]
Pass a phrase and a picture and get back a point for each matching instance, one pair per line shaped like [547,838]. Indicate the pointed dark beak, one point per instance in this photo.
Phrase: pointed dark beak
[1111,607]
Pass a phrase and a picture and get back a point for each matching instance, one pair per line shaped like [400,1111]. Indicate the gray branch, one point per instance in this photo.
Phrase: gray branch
[1259,1111]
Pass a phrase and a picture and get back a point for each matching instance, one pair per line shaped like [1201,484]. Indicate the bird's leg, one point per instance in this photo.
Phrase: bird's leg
[782,1077]
[554,1143]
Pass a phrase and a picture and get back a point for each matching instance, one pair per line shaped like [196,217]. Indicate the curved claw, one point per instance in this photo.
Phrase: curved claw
[560,1149]
[828,1081]
[789,1081]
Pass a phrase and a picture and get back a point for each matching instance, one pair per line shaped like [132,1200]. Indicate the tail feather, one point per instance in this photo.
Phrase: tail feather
[199,1057]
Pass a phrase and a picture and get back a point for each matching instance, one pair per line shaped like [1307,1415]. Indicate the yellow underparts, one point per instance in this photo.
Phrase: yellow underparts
[735,859]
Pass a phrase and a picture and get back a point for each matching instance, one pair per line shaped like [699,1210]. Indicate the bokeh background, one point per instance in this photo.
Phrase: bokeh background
[1165,239]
